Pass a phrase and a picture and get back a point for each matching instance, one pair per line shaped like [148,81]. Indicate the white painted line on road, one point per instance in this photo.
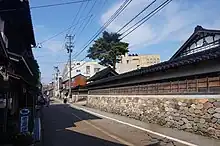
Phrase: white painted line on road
[131,125]
[105,132]
[152,132]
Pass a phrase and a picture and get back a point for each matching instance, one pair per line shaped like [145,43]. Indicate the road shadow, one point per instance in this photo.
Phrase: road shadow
[58,119]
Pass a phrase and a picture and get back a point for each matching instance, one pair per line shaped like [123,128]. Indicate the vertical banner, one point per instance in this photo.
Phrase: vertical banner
[24,119]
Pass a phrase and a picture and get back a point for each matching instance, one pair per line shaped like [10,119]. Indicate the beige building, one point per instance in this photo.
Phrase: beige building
[131,62]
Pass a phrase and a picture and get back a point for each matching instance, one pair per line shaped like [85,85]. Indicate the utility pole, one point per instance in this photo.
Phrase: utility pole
[57,78]
[69,46]
[53,81]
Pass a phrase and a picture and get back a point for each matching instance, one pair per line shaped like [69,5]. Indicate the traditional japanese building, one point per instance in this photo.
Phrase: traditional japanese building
[194,69]
[105,73]
[18,68]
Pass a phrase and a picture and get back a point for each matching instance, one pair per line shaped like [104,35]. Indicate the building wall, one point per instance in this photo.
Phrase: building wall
[209,68]
[2,27]
[129,63]
[192,113]
[87,69]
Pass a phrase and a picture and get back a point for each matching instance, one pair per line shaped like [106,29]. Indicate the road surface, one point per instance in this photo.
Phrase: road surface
[67,126]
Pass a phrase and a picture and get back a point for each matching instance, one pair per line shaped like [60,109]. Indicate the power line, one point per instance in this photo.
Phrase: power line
[137,15]
[59,62]
[48,5]
[76,66]
[110,20]
[72,23]
[102,7]
[83,11]
[92,18]
[76,17]
[59,33]
[146,18]
[87,15]
[59,4]
[83,27]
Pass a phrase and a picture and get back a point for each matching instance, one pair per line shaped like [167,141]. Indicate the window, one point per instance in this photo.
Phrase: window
[127,61]
[78,63]
[78,70]
[87,69]
[96,69]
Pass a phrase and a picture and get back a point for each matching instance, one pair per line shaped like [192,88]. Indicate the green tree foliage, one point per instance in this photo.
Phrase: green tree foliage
[107,49]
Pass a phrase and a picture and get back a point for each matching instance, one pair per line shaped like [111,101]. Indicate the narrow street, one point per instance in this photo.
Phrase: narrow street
[64,125]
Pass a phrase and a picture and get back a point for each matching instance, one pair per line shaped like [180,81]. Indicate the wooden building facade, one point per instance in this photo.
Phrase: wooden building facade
[18,68]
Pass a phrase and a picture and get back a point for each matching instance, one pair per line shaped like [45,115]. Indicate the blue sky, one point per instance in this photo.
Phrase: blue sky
[163,34]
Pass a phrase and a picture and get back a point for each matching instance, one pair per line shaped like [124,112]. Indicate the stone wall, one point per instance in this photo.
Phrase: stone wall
[80,97]
[196,115]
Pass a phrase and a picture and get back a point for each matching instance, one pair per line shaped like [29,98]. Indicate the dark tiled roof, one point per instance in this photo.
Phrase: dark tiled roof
[103,73]
[183,61]
[22,17]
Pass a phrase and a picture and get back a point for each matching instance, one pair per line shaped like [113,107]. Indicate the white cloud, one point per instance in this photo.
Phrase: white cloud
[53,45]
[174,23]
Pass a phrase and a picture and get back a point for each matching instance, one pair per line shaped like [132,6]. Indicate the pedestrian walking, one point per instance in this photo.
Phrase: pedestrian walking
[65,98]
[48,100]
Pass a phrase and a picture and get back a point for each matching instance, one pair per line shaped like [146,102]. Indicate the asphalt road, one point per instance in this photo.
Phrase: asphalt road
[67,126]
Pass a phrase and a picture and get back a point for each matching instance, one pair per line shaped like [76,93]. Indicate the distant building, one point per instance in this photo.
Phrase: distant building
[78,80]
[84,68]
[131,62]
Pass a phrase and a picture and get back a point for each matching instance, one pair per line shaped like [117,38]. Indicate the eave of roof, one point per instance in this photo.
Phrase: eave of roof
[102,73]
[198,29]
[20,6]
[17,58]
[186,60]
[18,77]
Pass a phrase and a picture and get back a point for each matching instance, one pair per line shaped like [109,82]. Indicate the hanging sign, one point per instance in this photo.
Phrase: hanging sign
[24,118]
